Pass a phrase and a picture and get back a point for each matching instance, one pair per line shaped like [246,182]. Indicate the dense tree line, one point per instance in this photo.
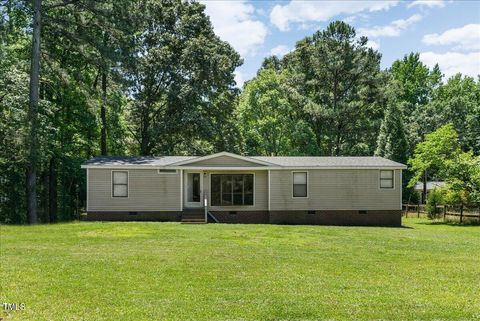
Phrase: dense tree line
[82,78]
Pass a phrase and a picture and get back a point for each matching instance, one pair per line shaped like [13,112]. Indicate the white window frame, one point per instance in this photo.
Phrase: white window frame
[380,178]
[308,181]
[128,184]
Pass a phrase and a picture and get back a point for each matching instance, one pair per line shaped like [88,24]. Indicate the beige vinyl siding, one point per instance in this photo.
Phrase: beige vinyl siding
[335,189]
[147,191]
[260,191]
[221,161]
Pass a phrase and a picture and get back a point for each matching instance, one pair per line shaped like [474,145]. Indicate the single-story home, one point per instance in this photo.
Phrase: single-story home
[230,188]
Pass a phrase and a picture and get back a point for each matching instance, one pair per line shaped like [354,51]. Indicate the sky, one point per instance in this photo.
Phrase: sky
[443,32]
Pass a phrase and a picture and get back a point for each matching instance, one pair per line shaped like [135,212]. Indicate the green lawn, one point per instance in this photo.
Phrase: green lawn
[170,271]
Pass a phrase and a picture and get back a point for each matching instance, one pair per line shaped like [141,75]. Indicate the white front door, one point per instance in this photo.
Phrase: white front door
[193,188]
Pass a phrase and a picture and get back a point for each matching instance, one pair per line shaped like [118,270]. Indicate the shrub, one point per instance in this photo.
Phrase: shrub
[434,199]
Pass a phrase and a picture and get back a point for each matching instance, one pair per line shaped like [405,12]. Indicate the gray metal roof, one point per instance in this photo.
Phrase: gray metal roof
[430,185]
[282,161]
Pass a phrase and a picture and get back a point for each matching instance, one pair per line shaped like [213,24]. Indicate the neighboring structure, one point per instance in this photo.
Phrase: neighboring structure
[431,185]
[239,189]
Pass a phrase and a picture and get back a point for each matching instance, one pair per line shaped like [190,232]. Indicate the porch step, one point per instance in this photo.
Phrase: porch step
[194,222]
[193,217]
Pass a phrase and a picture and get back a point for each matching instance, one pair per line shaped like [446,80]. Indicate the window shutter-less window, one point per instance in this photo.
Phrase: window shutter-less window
[300,184]
[386,179]
[120,184]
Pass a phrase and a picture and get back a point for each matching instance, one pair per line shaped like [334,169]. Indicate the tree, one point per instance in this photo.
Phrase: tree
[430,155]
[181,76]
[457,102]
[440,154]
[462,174]
[434,199]
[265,117]
[336,81]
[392,142]
[33,113]
[416,81]
[415,84]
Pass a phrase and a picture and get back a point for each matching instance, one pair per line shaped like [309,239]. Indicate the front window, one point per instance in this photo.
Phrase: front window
[119,184]
[300,188]
[231,189]
[386,179]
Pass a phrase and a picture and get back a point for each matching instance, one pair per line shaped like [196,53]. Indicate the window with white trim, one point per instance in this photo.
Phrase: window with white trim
[386,179]
[232,189]
[299,180]
[119,184]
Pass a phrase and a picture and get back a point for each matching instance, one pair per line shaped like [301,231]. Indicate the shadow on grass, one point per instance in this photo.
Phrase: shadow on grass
[447,223]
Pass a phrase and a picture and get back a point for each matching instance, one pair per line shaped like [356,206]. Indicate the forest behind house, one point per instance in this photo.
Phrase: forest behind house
[83,78]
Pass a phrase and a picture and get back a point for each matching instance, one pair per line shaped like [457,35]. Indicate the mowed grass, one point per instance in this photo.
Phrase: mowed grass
[170,271]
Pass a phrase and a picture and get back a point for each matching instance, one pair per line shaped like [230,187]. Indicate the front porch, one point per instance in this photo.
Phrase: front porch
[224,192]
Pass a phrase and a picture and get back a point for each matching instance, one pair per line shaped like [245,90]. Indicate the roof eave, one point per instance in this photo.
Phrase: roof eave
[212,168]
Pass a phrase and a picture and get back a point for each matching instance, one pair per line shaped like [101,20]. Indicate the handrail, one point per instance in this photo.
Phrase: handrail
[205,206]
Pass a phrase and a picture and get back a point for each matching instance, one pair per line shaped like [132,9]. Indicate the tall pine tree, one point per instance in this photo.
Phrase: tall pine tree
[392,142]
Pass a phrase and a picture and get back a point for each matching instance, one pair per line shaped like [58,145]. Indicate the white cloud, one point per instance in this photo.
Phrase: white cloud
[375,45]
[454,62]
[427,3]
[239,79]
[280,50]
[234,21]
[304,11]
[391,30]
[464,38]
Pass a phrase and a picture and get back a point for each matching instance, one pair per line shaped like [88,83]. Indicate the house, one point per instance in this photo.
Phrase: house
[230,188]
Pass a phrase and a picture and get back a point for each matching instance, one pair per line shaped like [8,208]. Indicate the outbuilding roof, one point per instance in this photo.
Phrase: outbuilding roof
[430,185]
[265,161]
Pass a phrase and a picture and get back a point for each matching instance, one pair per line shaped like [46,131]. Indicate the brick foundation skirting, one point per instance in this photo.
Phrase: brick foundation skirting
[334,217]
[133,216]
[322,217]
[243,217]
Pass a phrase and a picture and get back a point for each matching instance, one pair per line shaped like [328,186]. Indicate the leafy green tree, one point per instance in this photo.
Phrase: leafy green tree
[441,154]
[434,199]
[415,84]
[416,80]
[335,82]
[431,154]
[181,76]
[265,116]
[458,102]
[462,174]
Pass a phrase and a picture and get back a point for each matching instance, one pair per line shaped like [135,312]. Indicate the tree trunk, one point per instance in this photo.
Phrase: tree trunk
[45,189]
[103,115]
[10,19]
[52,191]
[424,192]
[33,115]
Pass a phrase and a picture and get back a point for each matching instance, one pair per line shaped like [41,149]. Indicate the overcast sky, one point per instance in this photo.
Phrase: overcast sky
[446,32]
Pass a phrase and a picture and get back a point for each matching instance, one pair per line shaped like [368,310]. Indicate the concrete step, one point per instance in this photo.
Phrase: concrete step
[194,222]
